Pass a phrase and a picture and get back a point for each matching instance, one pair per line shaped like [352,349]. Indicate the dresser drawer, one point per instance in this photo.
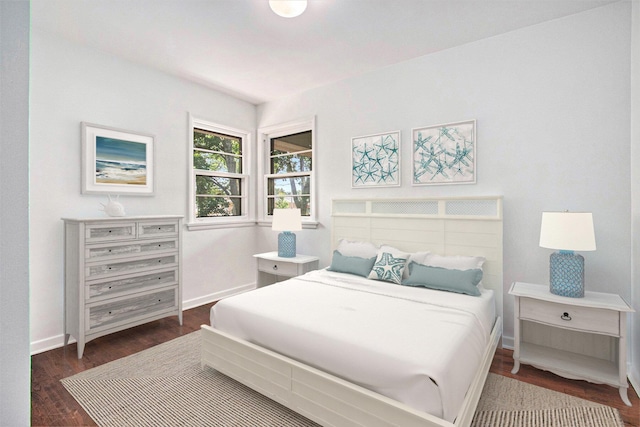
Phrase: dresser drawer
[130,266]
[103,316]
[278,268]
[157,229]
[573,317]
[113,250]
[107,232]
[109,288]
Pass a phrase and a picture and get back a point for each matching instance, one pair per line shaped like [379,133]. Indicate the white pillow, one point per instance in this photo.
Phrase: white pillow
[390,265]
[455,262]
[357,249]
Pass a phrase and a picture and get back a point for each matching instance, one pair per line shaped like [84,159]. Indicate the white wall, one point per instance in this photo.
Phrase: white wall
[552,104]
[71,84]
[15,385]
[635,191]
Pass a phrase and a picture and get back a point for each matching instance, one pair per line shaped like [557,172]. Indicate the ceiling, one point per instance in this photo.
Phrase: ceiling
[241,48]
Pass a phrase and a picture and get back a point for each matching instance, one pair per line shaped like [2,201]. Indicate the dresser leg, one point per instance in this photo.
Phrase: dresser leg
[516,367]
[624,396]
[80,348]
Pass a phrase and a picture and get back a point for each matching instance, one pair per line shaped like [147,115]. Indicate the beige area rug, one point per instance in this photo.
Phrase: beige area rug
[165,386]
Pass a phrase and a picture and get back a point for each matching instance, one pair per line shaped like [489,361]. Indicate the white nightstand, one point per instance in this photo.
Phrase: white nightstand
[577,338]
[271,267]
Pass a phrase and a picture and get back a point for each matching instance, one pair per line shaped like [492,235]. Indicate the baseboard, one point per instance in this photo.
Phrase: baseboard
[635,382]
[50,343]
[57,341]
[206,299]
[507,342]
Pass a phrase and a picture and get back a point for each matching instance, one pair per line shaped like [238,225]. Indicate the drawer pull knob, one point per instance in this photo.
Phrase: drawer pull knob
[565,316]
[275,267]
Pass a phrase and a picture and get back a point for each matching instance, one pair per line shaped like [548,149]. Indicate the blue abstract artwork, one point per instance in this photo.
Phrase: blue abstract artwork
[375,160]
[120,162]
[445,154]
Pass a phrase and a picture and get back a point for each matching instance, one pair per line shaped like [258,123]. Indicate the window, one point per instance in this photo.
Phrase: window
[287,153]
[289,180]
[218,181]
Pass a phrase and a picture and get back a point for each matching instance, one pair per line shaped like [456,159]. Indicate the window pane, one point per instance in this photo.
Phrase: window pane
[292,163]
[218,186]
[285,202]
[218,206]
[295,185]
[204,160]
[213,141]
[291,143]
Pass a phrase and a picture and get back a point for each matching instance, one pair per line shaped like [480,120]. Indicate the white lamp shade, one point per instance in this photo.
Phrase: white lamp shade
[569,231]
[286,220]
[288,8]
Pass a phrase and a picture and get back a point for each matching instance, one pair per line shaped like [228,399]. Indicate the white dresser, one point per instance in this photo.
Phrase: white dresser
[119,273]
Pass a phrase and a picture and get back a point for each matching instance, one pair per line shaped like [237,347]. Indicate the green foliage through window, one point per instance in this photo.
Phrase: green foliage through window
[217,162]
[289,181]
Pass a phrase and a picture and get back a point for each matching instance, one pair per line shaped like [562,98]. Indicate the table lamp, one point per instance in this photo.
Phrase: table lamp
[567,232]
[286,220]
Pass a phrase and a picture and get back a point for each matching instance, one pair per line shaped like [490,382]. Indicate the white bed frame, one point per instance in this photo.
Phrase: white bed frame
[447,226]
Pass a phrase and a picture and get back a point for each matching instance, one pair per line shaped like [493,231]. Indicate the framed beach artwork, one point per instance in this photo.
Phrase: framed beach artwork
[375,160]
[445,154]
[116,161]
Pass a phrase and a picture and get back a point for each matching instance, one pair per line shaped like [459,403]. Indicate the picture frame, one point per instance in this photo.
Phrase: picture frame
[375,160]
[444,154]
[116,161]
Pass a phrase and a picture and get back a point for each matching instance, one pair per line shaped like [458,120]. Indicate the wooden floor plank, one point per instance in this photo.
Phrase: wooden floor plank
[52,405]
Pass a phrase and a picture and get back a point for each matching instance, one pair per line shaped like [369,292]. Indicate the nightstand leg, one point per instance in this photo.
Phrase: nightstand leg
[516,337]
[624,396]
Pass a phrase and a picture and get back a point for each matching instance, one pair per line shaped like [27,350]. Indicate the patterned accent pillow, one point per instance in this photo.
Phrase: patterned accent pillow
[389,266]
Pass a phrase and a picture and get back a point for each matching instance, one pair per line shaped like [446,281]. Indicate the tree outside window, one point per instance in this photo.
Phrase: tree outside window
[217,165]
[289,178]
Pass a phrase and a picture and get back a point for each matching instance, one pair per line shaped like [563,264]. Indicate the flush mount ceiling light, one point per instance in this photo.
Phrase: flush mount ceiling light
[288,8]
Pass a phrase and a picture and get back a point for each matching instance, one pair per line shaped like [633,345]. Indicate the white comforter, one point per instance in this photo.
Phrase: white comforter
[415,345]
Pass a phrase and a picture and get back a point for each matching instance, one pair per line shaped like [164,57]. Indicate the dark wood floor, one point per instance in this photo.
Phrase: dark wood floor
[51,405]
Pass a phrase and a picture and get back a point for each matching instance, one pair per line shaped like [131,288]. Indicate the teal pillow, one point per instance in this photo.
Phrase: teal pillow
[351,264]
[459,281]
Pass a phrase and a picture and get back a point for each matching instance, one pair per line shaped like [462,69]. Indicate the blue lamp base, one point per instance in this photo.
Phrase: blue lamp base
[287,244]
[566,274]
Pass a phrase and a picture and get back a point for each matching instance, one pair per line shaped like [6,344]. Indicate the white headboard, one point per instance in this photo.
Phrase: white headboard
[445,226]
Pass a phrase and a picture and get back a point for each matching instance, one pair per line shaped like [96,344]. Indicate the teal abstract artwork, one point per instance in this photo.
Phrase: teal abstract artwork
[375,160]
[445,154]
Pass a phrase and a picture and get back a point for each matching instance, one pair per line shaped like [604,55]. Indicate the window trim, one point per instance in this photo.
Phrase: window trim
[248,197]
[265,134]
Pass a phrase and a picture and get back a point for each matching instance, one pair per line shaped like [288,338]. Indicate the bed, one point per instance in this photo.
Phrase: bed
[281,340]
